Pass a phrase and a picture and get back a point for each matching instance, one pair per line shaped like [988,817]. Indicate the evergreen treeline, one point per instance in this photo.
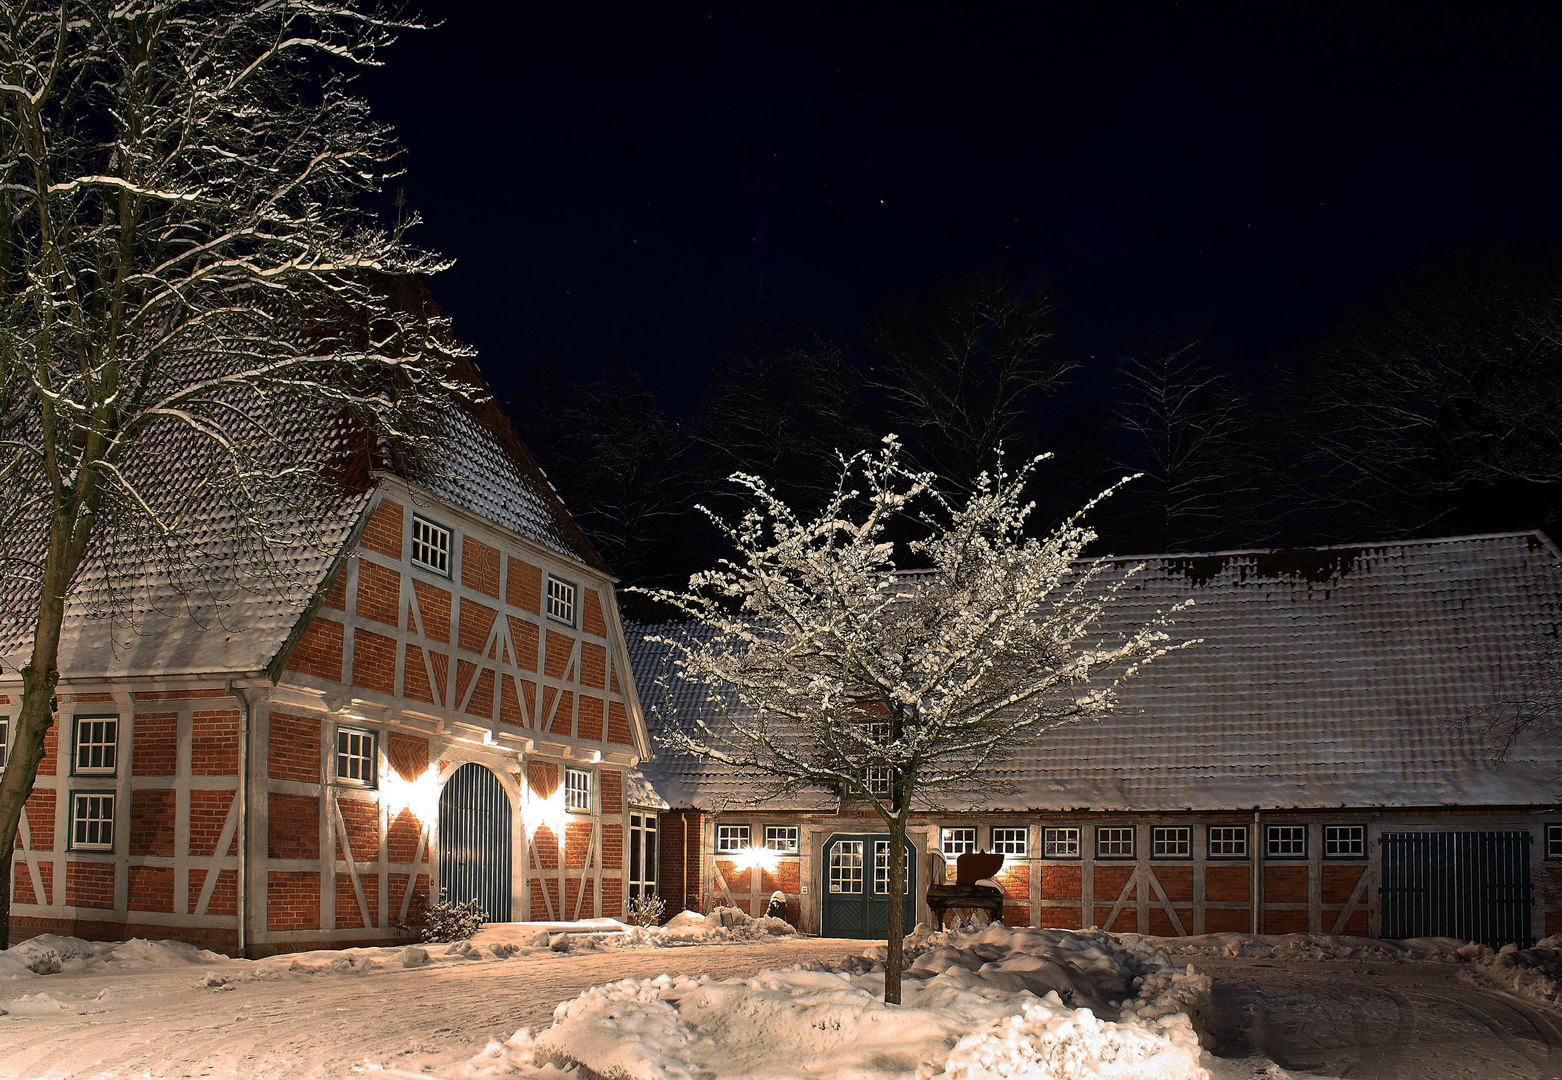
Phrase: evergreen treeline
[1436,409]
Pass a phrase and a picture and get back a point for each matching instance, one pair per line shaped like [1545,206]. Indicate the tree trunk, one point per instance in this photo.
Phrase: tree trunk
[895,959]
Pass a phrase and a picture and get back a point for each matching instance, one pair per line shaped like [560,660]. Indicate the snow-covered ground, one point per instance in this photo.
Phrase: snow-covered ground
[719,996]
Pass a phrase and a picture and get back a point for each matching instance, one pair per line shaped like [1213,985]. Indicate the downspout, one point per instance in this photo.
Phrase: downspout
[243,797]
[1258,873]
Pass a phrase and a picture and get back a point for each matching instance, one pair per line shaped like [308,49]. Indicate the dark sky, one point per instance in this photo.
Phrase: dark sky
[638,184]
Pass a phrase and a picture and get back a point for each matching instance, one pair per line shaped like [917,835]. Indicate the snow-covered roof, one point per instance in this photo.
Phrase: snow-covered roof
[1325,677]
[484,469]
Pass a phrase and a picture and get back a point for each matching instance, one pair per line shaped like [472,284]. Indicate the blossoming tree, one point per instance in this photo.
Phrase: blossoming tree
[896,672]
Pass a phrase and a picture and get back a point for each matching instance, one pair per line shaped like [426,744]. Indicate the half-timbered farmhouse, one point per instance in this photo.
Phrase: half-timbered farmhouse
[444,705]
[1302,768]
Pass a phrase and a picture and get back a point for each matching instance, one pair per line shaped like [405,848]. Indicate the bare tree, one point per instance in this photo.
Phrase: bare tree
[1184,420]
[190,286]
[1525,705]
[829,665]
[967,372]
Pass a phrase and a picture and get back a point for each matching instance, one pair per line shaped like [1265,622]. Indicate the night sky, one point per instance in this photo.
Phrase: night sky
[635,184]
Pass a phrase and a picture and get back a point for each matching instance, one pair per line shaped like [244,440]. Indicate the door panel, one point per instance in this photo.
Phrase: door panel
[474,841]
[855,901]
[1469,885]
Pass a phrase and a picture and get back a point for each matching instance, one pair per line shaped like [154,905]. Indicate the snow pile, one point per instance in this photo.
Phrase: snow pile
[723,924]
[50,954]
[1317,947]
[1536,971]
[998,1003]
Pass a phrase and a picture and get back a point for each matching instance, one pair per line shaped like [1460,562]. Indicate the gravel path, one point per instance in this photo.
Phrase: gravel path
[1380,1021]
[322,1025]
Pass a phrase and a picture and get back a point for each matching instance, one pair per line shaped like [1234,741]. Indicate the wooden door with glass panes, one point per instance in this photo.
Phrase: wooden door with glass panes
[855,899]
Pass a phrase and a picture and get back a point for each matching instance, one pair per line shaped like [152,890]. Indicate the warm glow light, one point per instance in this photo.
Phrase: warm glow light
[763,858]
[538,810]
[421,795]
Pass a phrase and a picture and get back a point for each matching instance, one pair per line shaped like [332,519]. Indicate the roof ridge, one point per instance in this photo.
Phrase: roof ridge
[1357,546]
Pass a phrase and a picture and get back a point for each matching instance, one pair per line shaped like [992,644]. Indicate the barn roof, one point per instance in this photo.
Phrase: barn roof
[178,630]
[1326,677]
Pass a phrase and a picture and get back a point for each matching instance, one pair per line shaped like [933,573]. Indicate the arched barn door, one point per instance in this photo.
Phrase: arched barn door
[474,841]
[856,898]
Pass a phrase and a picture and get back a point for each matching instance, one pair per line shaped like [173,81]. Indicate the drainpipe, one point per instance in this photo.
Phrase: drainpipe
[243,796]
[1258,873]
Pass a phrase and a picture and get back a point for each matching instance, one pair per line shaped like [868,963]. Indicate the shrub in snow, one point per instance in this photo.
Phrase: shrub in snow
[445,921]
[647,910]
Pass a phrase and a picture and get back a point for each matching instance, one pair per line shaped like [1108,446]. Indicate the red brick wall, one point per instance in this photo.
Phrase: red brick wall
[374,661]
[208,814]
[434,609]
[1176,882]
[582,902]
[379,593]
[362,819]
[214,743]
[151,888]
[385,529]
[593,665]
[402,837]
[559,648]
[1226,884]
[441,665]
[618,724]
[477,622]
[40,819]
[89,885]
[49,764]
[415,684]
[156,749]
[348,914]
[295,748]
[293,823]
[1061,882]
[539,904]
[481,703]
[523,587]
[22,884]
[479,566]
[612,784]
[293,900]
[337,596]
[408,754]
[525,636]
[545,848]
[1285,885]
[1340,881]
[510,704]
[225,894]
[591,620]
[319,653]
[398,890]
[577,840]
[591,718]
[1227,920]
[612,848]
[152,822]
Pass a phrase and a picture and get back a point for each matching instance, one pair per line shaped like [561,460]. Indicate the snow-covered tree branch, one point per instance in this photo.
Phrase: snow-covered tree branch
[897,673]
[191,284]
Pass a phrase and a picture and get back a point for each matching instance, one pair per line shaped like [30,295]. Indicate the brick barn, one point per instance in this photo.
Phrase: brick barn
[444,702]
[1299,770]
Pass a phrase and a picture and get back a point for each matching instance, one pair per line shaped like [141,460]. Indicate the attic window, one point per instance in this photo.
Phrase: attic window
[561,600]
[1060,843]
[430,546]
[1554,841]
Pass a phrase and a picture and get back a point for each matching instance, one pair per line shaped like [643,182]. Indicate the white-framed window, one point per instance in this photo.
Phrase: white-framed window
[1344,841]
[958,841]
[1228,841]
[783,838]
[561,600]
[881,870]
[1011,841]
[1285,841]
[733,838]
[1171,842]
[92,821]
[577,790]
[846,866]
[642,855]
[879,779]
[5,739]
[430,546]
[1554,841]
[97,746]
[357,755]
[1061,842]
[1115,842]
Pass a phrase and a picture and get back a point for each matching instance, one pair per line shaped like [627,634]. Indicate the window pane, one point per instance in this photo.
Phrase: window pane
[1115,843]
[781,837]
[1061,843]
[846,866]
[959,841]
[1171,843]
[561,600]
[1554,841]
[1011,841]
[96,744]
[431,546]
[1286,841]
[1228,841]
[1344,841]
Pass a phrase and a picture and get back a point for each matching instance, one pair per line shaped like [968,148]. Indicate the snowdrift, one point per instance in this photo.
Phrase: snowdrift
[1046,1004]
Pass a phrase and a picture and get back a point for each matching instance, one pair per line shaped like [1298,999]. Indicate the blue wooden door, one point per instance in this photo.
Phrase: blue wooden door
[1469,885]
[474,841]
[855,897]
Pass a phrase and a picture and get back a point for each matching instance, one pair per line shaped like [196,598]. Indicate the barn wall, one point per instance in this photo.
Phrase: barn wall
[1144,894]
